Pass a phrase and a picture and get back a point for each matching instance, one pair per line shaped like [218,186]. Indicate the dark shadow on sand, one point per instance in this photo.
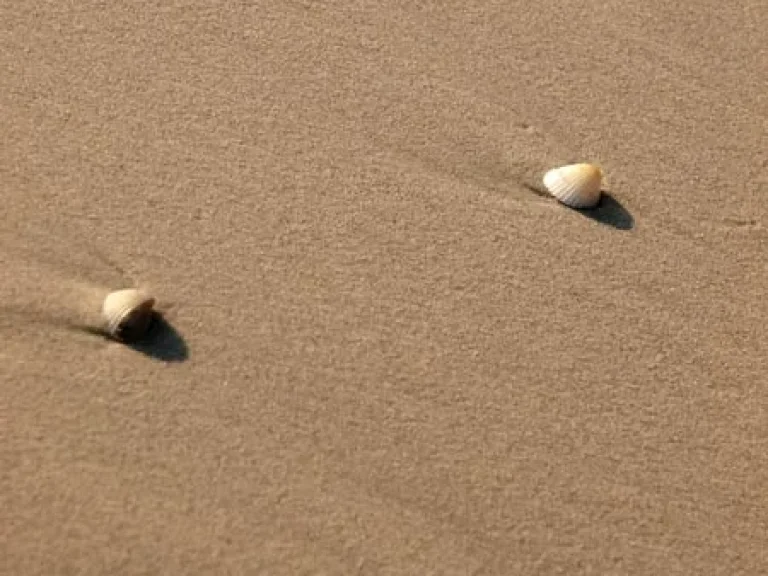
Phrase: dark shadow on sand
[609,212]
[161,342]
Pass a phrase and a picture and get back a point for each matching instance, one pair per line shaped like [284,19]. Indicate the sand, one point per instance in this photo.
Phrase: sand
[386,353]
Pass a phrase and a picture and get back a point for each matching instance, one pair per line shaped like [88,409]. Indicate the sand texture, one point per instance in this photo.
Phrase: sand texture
[385,353]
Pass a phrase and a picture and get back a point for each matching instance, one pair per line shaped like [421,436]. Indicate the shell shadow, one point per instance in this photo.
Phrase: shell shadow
[609,212]
[161,342]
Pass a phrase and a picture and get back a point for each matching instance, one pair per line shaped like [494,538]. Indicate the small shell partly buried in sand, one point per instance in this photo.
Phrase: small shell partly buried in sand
[575,185]
[128,314]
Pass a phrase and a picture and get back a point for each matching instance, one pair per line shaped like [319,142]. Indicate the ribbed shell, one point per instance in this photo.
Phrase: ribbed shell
[575,185]
[127,313]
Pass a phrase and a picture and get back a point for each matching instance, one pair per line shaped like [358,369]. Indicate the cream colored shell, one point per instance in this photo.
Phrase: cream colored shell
[575,185]
[127,313]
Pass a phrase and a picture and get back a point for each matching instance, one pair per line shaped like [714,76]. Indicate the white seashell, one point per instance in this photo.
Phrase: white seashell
[575,185]
[127,313]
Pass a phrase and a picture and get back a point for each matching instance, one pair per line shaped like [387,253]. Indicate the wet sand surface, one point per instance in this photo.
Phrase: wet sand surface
[385,353]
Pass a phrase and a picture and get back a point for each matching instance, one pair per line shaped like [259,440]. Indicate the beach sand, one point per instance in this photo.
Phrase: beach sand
[388,354]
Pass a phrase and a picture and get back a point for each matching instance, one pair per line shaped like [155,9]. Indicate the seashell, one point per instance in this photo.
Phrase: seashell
[128,313]
[575,185]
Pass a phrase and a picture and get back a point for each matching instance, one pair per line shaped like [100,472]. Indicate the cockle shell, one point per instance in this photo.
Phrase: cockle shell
[575,185]
[128,313]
